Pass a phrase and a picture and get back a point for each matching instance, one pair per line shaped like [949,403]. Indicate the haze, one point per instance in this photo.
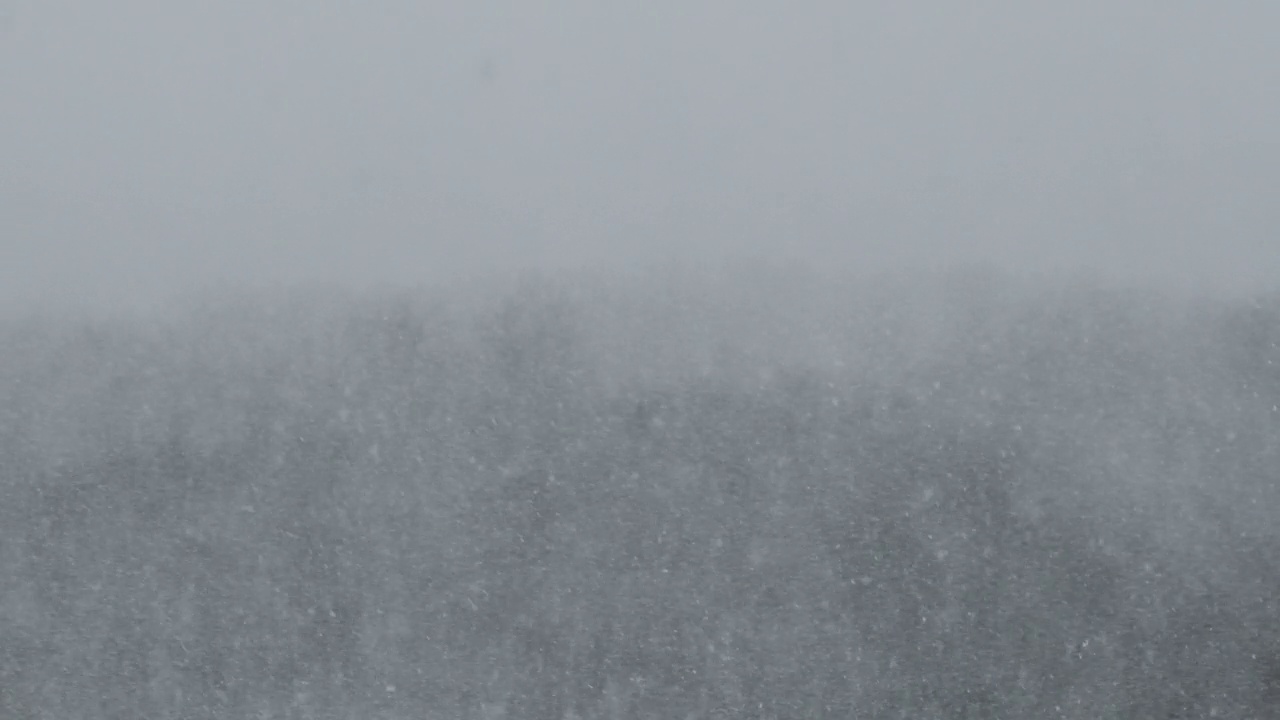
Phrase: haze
[893,360]
[151,147]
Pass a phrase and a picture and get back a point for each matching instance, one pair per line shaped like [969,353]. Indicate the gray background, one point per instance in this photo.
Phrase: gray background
[149,147]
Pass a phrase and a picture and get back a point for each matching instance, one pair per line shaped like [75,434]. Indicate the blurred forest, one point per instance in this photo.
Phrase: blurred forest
[756,494]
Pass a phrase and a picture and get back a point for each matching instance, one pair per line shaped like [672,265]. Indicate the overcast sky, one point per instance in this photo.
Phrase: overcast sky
[149,146]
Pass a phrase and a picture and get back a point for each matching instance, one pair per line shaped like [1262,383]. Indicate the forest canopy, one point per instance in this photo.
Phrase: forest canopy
[679,494]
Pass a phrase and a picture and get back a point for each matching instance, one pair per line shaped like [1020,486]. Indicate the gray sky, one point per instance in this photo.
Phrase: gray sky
[149,146]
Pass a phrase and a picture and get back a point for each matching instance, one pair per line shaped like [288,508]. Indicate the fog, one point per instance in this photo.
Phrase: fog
[705,361]
[151,146]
